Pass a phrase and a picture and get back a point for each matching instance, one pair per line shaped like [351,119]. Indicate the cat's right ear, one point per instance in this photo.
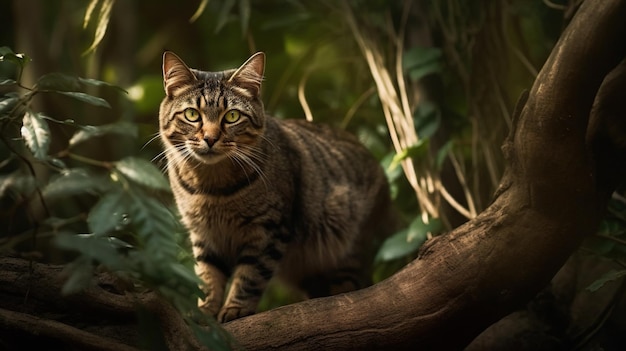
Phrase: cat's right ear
[176,74]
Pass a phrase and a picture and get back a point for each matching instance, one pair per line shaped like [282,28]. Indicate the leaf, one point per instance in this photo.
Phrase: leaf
[427,119]
[5,50]
[421,61]
[142,172]
[17,182]
[109,214]
[103,249]
[80,272]
[88,132]
[90,99]
[185,273]
[7,104]
[57,81]
[103,22]
[8,82]
[74,182]
[199,11]
[607,277]
[154,223]
[418,230]
[224,15]
[407,240]
[99,83]
[36,134]
[413,151]
[7,55]
[442,153]
[89,11]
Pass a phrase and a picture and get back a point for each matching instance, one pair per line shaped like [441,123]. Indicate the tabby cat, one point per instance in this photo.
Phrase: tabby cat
[263,197]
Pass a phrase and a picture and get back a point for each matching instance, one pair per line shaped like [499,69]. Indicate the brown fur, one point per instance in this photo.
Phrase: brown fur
[263,197]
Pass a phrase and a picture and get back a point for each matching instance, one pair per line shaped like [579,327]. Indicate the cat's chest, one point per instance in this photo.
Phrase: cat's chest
[224,222]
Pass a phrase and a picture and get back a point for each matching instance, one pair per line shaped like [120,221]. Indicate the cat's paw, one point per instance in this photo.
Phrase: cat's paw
[209,307]
[228,314]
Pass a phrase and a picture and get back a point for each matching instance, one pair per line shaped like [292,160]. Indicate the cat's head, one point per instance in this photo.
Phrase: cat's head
[211,116]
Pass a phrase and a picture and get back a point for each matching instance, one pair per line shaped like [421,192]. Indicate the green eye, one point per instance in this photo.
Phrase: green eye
[192,115]
[232,116]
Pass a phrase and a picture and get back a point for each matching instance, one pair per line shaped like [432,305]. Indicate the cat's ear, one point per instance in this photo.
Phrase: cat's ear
[250,75]
[176,74]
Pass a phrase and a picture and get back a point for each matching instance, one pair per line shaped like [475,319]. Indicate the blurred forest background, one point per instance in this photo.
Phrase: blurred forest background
[428,86]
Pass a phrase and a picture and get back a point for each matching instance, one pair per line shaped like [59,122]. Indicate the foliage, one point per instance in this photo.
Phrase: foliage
[126,226]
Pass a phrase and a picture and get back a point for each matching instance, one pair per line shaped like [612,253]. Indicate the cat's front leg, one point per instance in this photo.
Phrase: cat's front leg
[250,278]
[213,283]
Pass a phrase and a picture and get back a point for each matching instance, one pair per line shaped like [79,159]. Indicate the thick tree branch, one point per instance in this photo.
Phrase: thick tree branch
[102,317]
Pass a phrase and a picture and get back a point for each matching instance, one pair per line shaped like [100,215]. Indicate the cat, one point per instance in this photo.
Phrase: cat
[264,197]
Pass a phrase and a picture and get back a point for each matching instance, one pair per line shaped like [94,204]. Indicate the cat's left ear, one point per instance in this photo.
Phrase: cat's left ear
[250,75]
[176,74]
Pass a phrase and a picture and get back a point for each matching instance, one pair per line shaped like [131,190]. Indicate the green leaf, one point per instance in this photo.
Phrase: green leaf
[103,21]
[36,134]
[414,151]
[199,11]
[17,183]
[186,273]
[7,104]
[89,11]
[90,99]
[427,119]
[421,61]
[224,14]
[607,277]
[58,82]
[99,83]
[418,230]
[142,172]
[7,55]
[407,240]
[80,272]
[73,182]
[56,163]
[88,132]
[5,50]
[109,214]
[103,249]
[442,153]
[8,82]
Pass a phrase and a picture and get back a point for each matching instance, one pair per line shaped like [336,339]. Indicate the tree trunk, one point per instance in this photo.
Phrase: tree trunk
[560,175]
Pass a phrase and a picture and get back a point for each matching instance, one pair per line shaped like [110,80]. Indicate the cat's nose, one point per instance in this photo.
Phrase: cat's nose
[210,141]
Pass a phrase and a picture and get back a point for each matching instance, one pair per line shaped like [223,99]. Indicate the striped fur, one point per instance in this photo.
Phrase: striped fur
[263,197]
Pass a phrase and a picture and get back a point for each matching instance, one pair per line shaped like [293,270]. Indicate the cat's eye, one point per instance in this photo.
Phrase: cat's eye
[232,116]
[192,115]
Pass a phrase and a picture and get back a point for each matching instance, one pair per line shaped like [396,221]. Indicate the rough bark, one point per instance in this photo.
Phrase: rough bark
[554,191]
[104,317]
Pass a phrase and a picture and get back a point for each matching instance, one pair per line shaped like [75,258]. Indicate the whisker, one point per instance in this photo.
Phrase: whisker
[250,162]
[153,138]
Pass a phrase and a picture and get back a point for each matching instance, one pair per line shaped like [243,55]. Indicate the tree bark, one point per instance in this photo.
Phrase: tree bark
[553,193]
